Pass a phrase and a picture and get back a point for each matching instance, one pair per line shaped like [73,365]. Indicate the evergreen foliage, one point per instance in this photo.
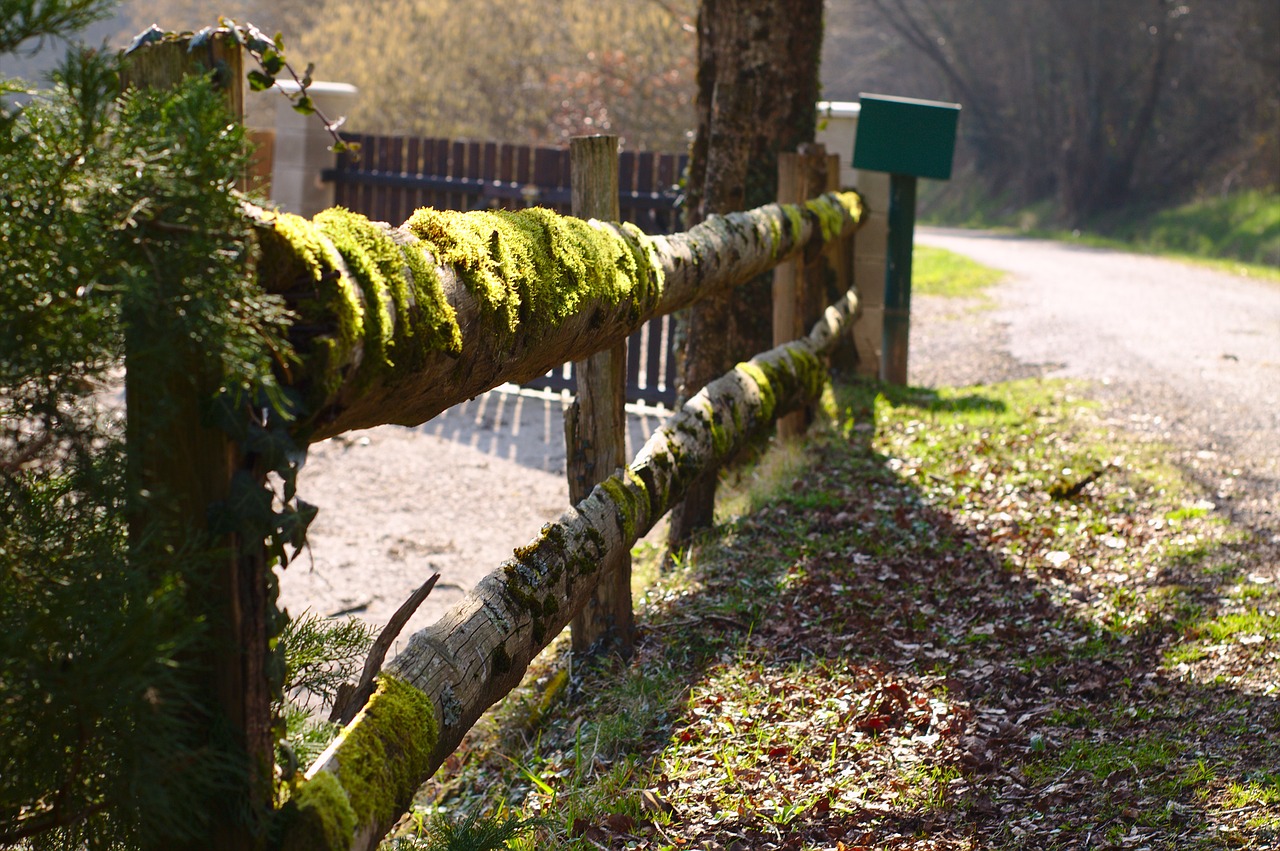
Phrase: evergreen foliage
[471,832]
[116,204]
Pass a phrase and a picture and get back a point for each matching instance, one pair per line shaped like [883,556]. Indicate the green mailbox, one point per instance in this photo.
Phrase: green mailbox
[908,138]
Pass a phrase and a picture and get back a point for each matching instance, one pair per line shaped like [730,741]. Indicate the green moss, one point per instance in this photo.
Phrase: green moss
[586,563]
[369,257]
[537,266]
[795,221]
[298,262]
[831,210]
[320,816]
[385,755]
[629,505]
[721,440]
[768,395]
[521,591]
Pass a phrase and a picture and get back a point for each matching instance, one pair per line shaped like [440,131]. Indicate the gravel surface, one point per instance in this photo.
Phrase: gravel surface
[453,496]
[1177,353]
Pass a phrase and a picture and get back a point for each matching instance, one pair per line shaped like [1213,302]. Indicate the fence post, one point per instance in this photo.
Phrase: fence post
[840,257]
[801,175]
[179,466]
[595,424]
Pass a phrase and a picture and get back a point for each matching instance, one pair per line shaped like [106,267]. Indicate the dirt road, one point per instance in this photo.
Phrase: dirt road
[455,495]
[1184,353]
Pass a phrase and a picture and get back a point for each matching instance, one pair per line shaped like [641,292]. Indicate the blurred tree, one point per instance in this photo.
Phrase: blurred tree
[1092,104]
[757,90]
[507,70]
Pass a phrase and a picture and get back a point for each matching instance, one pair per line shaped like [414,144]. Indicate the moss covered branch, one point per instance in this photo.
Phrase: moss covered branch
[397,324]
[455,669]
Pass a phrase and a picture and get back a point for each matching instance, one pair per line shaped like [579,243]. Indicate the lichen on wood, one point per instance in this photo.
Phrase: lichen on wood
[367,776]
[481,647]
[487,297]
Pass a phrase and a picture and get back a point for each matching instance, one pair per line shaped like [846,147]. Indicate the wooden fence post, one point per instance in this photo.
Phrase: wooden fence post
[796,300]
[596,423]
[182,466]
[840,257]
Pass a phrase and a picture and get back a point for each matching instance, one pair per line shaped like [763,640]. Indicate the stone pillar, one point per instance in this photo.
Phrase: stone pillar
[837,129]
[301,150]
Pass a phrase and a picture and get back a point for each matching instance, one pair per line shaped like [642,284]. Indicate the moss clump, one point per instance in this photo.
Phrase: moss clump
[537,266]
[421,319]
[831,212]
[627,503]
[721,439]
[521,591]
[297,261]
[764,385]
[386,753]
[374,261]
[432,319]
[319,816]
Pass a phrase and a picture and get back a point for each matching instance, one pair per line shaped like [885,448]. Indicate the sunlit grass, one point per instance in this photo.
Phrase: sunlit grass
[936,271]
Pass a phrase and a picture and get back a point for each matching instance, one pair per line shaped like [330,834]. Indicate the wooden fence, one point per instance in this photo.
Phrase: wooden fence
[426,698]
[392,176]
[395,325]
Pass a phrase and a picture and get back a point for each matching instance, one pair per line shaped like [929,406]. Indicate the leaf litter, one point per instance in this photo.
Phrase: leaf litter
[976,618]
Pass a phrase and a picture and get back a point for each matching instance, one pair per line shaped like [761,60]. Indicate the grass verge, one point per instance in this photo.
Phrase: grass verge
[974,618]
[1237,233]
[936,271]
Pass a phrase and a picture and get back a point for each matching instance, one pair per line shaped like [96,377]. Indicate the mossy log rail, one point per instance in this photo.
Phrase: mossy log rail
[450,672]
[398,324]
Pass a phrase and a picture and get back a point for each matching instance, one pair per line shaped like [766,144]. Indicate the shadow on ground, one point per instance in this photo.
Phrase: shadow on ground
[858,661]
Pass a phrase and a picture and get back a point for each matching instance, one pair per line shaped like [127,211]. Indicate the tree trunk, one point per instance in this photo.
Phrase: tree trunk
[757,96]
[452,671]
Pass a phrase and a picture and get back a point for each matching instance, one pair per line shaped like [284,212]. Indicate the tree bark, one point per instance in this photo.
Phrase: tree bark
[757,96]
[480,649]
[715,256]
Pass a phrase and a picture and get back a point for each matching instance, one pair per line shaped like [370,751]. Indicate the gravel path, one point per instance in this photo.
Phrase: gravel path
[455,495]
[1179,353]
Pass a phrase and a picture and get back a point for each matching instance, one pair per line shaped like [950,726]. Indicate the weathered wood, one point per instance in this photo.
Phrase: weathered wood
[801,176]
[180,467]
[453,670]
[596,423]
[720,253]
[844,357]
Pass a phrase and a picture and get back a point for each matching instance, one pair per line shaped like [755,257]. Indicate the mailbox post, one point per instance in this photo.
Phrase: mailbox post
[908,138]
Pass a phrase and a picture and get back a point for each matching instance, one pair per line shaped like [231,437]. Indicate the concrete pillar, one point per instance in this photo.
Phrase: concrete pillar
[301,148]
[837,129]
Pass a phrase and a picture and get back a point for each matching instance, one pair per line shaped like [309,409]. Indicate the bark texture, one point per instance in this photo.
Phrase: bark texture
[480,650]
[350,387]
[757,90]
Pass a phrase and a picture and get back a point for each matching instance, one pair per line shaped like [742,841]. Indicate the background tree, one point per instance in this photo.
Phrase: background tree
[503,70]
[757,90]
[1093,105]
